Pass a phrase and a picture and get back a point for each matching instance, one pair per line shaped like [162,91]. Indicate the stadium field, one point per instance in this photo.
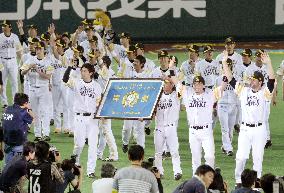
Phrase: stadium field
[273,157]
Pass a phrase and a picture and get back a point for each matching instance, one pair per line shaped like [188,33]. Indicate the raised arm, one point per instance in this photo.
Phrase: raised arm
[267,61]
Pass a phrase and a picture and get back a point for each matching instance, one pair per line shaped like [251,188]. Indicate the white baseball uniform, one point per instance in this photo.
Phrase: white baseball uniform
[252,131]
[87,97]
[227,112]
[9,46]
[39,91]
[24,59]
[167,116]
[199,110]
[106,135]
[263,69]
[187,72]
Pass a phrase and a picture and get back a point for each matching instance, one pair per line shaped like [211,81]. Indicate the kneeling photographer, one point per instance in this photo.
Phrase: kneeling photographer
[72,176]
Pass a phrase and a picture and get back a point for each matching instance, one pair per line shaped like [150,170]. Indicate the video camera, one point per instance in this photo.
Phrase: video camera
[69,164]
[52,153]
[149,165]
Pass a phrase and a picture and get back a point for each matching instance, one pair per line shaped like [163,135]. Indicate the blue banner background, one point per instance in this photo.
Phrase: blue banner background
[113,105]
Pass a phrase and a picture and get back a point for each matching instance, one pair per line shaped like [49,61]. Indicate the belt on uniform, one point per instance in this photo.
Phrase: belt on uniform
[169,125]
[199,127]
[84,114]
[252,125]
[7,58]
[210,87]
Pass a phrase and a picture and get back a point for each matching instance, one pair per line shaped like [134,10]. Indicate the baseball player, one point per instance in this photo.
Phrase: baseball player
[230,45]
[227,112]
[140,50]
[187,68]
[10,50]
[136,125]
[32,43]
[253,133]
[198,103]
[87,97]
[106,136]
[263,69]
[167,116]
[39,71]
[118,51]
[80,34]
[59,97]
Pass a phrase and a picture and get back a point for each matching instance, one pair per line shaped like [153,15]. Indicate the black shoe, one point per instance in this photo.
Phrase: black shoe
[168,155]
[124,148]
[4,106]
[91,175]
[86,141]
[223,150]
[51,123]
[230,153]
[37,139]
[178,176]
[237,128]
[268,144]
[147,130]
[45,138]
[164,155]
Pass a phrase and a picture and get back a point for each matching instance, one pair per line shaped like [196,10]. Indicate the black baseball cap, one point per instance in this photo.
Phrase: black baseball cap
[66,34]
[6,23]
[92,53]
[124,35]
[78,48]
[32,40]
[61,43]
[246,52]
[199,79]
[259,52]
[139,46]
[207,48]
[230,40]
[40,45]
[193,48]
[93,39]
[163,53]
[45,36]
[131,49]
[87,22]
[258,76]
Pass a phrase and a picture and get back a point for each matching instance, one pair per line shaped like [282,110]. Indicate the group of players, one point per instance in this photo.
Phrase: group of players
[65,74]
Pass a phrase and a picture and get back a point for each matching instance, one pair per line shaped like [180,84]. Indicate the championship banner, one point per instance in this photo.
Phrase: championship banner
[130,99]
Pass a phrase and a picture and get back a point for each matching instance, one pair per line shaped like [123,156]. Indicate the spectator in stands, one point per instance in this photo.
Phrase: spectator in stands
[105,183]
[15,171]
[199,183]
[218,185]
[15,125]
[248,178]
[135,178]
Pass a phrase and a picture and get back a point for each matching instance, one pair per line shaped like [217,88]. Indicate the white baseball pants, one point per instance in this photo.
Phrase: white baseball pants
[168,135]
[198,139]
[138,128]
[250,137]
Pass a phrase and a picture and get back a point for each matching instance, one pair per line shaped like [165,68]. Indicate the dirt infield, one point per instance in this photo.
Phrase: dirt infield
[218,46]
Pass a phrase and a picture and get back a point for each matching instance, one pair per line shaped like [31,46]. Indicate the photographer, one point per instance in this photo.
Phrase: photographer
[44,175]
[15,122]
[70,172]
[105,183]
[248,178]
[135,178]
[270,183]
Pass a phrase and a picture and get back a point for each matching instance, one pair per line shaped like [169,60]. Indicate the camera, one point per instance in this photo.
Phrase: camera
[76,170]
[52,153]
[149,165]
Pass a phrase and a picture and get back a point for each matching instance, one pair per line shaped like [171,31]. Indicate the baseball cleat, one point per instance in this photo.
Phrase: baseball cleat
[124,148]
[66,131]
[268,144]
[108,159]
[91,175]
[178,176]
[168,155]
[147,130]
[45,138]
[51,123]
[237,128]
[230,153]
[223,150]
[37,139]
[71,134]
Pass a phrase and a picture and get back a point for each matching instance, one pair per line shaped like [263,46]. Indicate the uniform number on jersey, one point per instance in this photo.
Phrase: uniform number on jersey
[34,187]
